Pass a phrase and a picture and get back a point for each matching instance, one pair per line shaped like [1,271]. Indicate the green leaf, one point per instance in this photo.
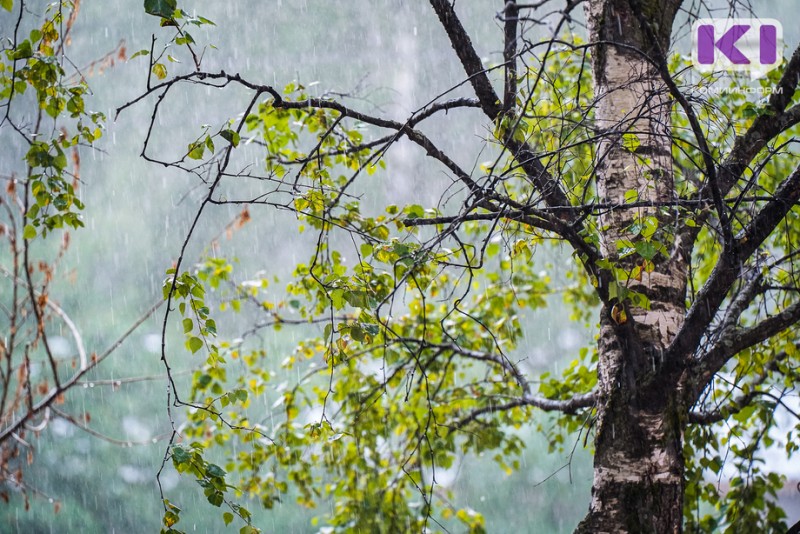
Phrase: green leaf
[520,131]
[188,324]
[646,249]
[214,470]
[170,518]
[228,518]
[196,150]
[186,38]
[216,498]
[211,326]
[29,232]
[23,50]
[180,455]
[650,226]
[203,381]
[160,8]
[357,299]
[194,344]
[139,53]
[415,211]
[231,136]
[630,142]
[6,4]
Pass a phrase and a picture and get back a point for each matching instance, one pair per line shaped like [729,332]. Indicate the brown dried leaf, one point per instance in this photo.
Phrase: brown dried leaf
[618,314]
[244,218]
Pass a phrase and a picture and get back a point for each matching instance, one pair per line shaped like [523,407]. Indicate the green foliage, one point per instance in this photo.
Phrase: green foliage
[32,70]
[389,394]
[413,351]
[211,478]
[413,359]
[409,380]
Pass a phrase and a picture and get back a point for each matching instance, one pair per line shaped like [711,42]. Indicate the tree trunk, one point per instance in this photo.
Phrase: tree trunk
[638,465]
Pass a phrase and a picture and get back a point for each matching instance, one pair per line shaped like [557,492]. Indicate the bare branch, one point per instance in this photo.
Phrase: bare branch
[568,406]
[114,441]
[511,13]
[55,393]
[473,66]
[544,223]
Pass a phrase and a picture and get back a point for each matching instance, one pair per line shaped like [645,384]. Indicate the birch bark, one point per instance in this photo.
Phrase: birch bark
[638,469]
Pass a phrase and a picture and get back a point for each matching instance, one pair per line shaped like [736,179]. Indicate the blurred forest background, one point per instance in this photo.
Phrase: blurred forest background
[389,55]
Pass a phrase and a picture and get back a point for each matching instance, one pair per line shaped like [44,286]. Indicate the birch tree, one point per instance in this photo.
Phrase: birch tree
[679,210]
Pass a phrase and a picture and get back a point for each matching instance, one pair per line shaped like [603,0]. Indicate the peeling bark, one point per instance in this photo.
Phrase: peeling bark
[638,467]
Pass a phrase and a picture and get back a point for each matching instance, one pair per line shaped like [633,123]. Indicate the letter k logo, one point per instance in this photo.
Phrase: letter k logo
[751,45]
[726,44]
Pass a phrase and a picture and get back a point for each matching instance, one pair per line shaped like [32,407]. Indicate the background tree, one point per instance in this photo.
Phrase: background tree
[40,100]
[47,125]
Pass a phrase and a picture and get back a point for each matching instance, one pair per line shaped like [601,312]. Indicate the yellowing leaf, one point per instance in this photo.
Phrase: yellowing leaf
[160,71]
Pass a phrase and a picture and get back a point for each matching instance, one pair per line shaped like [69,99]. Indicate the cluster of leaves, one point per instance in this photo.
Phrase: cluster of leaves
[172,16]
[726,471]
[32,72]
[200,330]
[211,477]
[420,393]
